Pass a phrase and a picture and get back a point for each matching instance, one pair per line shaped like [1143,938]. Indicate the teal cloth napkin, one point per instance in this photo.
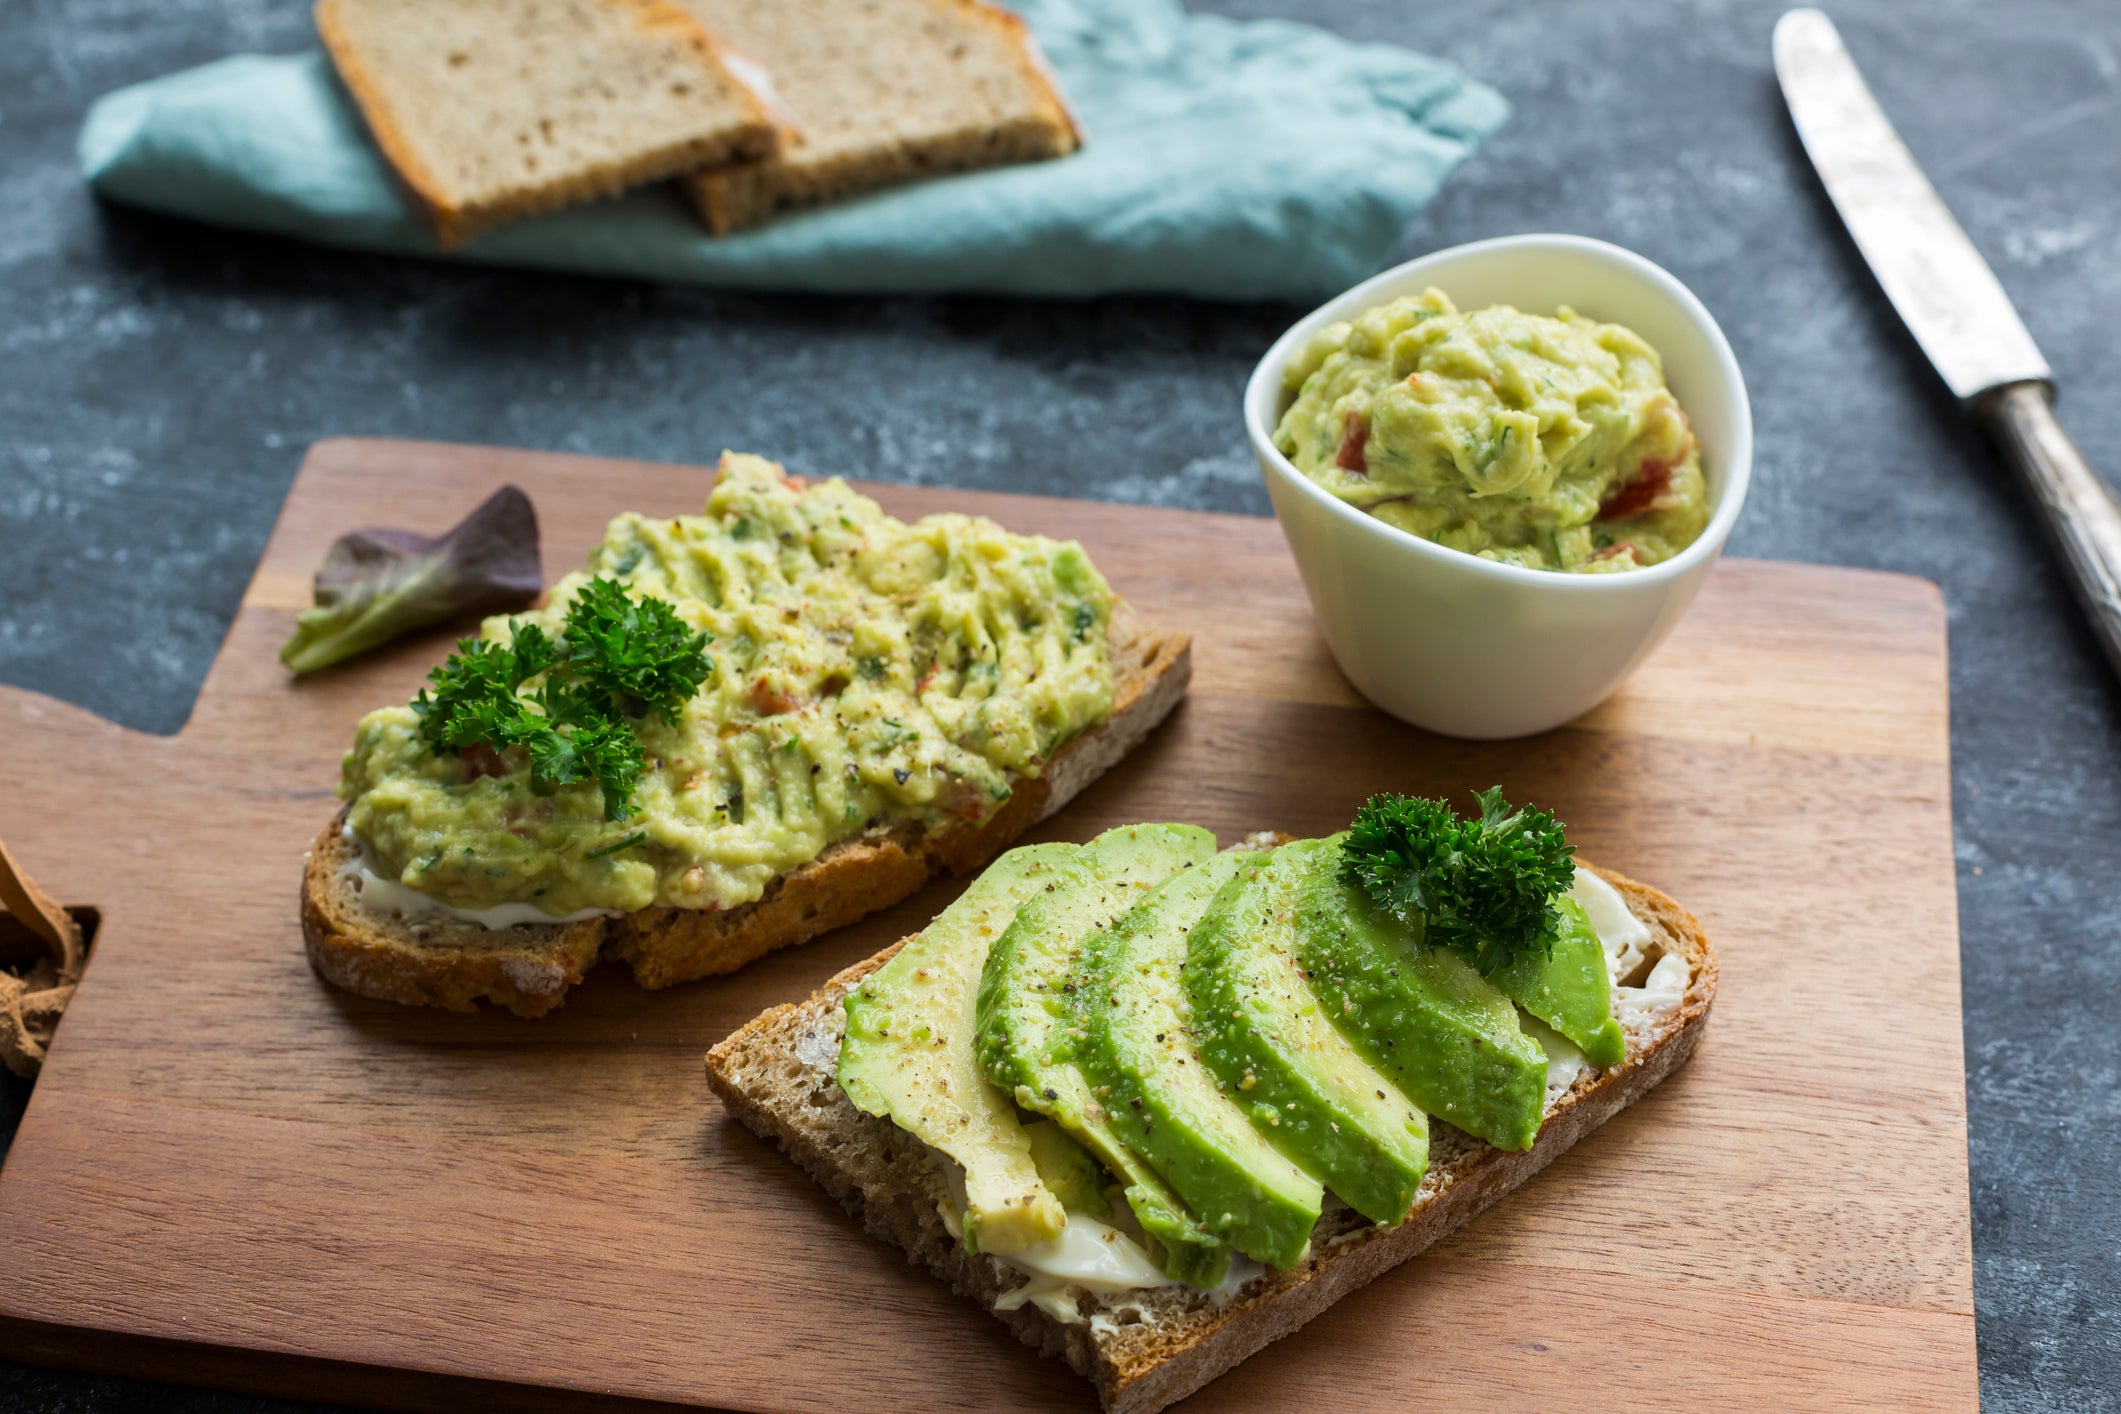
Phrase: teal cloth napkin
[1224,159]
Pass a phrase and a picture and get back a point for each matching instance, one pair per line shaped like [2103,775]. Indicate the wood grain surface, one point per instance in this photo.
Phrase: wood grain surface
[233,1174]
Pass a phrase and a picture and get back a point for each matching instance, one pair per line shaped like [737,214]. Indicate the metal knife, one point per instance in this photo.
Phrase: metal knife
[1952,303]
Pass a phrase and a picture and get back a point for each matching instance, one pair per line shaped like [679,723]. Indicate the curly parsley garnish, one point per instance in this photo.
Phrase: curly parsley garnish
[1484,887]
[617,660]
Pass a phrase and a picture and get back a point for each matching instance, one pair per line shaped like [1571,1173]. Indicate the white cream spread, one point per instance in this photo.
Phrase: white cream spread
[1243,1272]
[1089,1255]
[1565,1060]
[389,896]
[1624,936]
[1662,991]
[1627,941]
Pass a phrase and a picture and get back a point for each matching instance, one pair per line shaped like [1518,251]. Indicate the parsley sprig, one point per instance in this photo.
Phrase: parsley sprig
[1485,887]
[617,660]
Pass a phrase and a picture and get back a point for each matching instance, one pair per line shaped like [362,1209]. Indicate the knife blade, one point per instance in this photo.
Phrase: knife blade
[1952,303]
[1931,272]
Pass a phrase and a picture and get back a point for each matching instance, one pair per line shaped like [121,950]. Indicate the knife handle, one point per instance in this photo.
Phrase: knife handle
[2082,514]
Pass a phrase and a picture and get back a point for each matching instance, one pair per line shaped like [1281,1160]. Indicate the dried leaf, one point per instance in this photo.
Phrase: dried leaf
[22,1050]
[31,1001]
[42,1008]
[376,585]
[20,895]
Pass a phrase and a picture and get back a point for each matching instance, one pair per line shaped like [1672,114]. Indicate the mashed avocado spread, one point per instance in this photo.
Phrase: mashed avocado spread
[1548,443]
[864,671]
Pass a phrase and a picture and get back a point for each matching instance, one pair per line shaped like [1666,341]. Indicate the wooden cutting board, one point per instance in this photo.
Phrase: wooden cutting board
[232,1174]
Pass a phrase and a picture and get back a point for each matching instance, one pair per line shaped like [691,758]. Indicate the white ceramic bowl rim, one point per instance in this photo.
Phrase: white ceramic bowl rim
[1263,389]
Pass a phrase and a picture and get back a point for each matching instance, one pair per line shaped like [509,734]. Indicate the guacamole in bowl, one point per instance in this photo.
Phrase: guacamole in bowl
[1550,443]
[1494,637]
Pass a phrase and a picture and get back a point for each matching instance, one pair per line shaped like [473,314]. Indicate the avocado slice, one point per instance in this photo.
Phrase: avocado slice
[909,1054]
[1425,1016]
[1263,1032]
[1137,1055]
[1027,1030]
[1569,989]
[1067,1169]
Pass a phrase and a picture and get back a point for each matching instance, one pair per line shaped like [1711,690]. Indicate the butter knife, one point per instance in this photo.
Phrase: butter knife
[1952,303]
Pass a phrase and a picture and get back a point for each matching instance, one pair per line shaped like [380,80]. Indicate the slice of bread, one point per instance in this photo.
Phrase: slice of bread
[434,959]
[882,91]
[493,109]
[1147,1349]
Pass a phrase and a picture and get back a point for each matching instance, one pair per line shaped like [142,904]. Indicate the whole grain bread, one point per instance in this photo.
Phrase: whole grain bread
[882,91]
[489,110]
[1148,1349]
[434,959]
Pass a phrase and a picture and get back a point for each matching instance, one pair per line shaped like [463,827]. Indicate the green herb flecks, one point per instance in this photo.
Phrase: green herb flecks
[637,837]
[1484,887]
[618,659]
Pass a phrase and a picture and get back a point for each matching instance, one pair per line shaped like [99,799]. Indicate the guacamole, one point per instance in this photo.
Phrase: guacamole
[1547,443]
[865,671]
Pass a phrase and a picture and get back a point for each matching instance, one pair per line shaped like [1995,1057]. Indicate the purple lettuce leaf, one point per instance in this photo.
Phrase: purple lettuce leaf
[376,585]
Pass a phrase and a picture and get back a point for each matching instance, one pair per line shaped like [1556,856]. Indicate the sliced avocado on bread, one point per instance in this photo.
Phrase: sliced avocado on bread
[1260,1028]
[909,1054]
[1215,1034]
[1029,1029]
[1569,988]
[1067,1169]
[1162,1099]
[1424,1016]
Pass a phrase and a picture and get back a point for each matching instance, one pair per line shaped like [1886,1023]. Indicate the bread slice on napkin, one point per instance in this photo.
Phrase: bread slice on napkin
[1146,1349]
[882,91]
[436,960]
[489,110]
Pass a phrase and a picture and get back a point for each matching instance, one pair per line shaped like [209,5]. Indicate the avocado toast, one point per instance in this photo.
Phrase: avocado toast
[1278,1142]
[731,733]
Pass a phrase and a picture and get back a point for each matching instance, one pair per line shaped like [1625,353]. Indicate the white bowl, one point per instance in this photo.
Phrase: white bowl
[1466,646]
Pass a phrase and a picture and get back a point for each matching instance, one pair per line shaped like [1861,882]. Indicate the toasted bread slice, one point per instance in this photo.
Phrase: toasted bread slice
[434,959]
[881,91]
[1146,1349]
[493,109]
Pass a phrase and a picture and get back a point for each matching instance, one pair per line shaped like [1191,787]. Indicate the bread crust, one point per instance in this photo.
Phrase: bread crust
[1178,1340]
[1038,72]
[455,222]
[530,968]
[453,965]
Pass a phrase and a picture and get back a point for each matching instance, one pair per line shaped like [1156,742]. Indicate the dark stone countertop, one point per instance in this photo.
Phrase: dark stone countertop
[158,383]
